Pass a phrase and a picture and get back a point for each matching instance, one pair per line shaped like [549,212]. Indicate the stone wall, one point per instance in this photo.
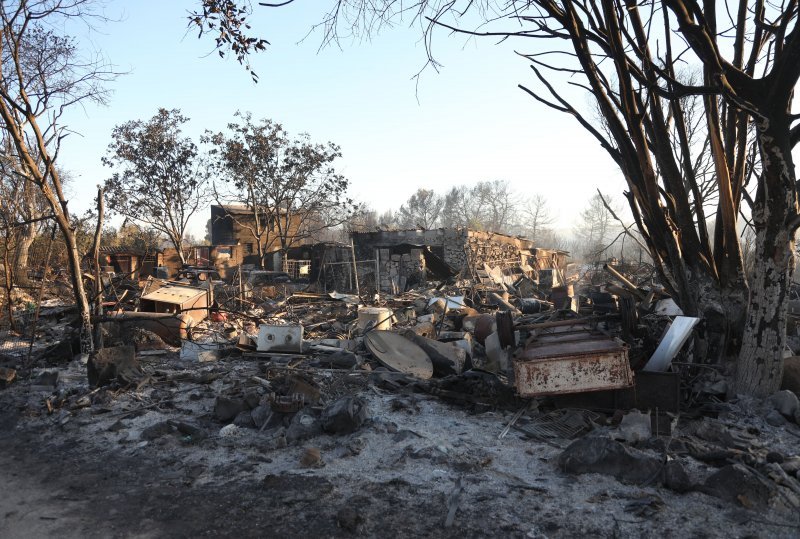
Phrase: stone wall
[399,272]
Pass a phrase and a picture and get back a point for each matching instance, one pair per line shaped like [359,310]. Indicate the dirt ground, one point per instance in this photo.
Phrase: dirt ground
[419,467]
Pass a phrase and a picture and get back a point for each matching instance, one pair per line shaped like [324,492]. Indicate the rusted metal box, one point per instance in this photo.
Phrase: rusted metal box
[177,299]
[572,362]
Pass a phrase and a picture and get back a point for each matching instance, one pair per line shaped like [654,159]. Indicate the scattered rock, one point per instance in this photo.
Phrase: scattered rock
[304,425]
[252,399]
[737,483]
[60,352]
[118,364]
[156,431]
[775,457]
[791,374]
[46,380]
[260,415]
[791,465]
[786,403]
[343,359]
[635,427]
[775,418]
[244,419]
[226,409]
[143,339]
[7,375]
[230,431]
[349,519]
[605,456]
[188,429]
[676,478]
[312,458]
[344,416]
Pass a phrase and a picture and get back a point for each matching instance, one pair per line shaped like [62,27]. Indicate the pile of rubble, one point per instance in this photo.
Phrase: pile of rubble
[506,381]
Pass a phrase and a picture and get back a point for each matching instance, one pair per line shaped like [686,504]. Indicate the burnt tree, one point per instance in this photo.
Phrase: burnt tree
[42,76]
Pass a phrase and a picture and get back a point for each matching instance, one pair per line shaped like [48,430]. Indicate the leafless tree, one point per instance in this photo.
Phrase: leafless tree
[421,210]
[537,217]
[28,205]
[595,230]
[487,205]
[42,76]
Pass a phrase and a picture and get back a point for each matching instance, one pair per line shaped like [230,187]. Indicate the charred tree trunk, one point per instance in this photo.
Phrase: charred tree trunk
[98,284]
[7,283]
[24,242]
[760,366]
[261,254]
[178,244]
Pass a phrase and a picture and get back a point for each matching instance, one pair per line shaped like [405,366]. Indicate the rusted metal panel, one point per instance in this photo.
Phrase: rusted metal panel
[177,299]
[573,363]
[174,294]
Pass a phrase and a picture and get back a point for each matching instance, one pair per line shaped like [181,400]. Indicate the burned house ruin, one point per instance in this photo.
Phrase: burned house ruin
[402,259]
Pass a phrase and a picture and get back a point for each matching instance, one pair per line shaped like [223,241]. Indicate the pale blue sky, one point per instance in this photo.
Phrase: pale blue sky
[465,124]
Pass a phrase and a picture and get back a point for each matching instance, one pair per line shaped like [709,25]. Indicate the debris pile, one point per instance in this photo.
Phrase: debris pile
[602,378]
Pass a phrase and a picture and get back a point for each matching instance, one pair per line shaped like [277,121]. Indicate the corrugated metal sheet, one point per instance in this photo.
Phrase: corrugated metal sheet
[572,362]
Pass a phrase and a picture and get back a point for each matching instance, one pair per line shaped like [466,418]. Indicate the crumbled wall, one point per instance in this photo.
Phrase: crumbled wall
[496,249]
[402,265]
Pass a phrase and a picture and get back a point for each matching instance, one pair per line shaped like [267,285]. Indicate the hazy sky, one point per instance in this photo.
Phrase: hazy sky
[467,123]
